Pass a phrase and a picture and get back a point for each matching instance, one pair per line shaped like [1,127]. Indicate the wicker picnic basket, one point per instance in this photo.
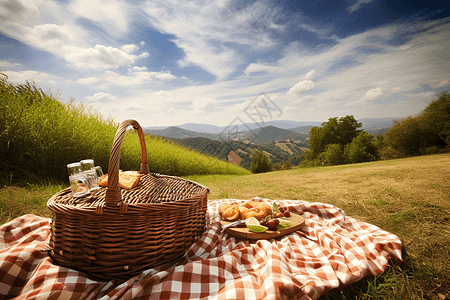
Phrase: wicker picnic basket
[114,233]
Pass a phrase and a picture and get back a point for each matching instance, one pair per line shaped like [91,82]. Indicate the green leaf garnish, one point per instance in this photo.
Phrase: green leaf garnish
[275,207]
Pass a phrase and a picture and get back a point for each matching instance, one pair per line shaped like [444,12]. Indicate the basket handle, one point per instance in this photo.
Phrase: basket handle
[113,195]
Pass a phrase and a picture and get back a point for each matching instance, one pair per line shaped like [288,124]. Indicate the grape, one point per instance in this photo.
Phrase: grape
[287,214]
[280,215]
[272,224]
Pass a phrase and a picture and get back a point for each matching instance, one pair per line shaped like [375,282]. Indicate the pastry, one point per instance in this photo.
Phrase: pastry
[255,209]
[229,212]
[127,179]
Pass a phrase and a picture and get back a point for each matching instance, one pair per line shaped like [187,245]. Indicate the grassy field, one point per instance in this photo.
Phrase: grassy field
[408,197]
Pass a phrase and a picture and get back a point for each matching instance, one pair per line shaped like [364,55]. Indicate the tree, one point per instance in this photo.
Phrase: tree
[335,131]
[426,133]
[333,155]
[260,163]
[412,135]
[362,149]
[438,112]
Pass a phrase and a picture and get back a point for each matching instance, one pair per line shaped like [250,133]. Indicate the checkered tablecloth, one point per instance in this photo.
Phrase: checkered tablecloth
[331,251]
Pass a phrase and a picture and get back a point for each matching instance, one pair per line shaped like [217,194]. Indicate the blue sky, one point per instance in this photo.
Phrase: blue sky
[173,61]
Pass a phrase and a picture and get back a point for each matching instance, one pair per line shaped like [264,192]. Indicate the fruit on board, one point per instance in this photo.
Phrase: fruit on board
[253,225]
[284,222]
[272,224]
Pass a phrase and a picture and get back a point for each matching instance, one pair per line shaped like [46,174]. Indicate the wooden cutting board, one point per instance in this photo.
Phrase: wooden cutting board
[242,231]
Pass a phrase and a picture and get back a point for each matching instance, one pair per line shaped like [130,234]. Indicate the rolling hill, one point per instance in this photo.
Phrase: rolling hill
[278,152]
[174,132]
[272,131]
[271,134]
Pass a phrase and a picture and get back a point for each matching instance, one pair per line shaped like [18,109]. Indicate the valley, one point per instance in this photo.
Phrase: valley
[237,144]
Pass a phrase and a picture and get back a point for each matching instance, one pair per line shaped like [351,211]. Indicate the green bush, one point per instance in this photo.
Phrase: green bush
[333,155]
[423,133]
[438,112]
[340,142]
[391,153]
[336,131]
[362,149]
[412,135]
[260,163]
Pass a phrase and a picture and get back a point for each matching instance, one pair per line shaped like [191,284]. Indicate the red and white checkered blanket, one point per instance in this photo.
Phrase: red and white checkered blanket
[331,251]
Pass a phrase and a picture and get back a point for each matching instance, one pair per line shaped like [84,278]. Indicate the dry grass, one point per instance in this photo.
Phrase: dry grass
[408,197]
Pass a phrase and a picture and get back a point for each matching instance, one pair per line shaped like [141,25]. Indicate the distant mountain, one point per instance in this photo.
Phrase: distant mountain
[201,127]
[273,131]
[291,124]
[176,133]
[270,134]
[207,128]
[376,132]
[302,129]
[377,123]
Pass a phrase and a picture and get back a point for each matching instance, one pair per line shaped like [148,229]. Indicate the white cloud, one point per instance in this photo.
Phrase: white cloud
[17,10]
[442,84]
[390,72]
[54,27]
[392,69]
[134,78]
[374,94]
[204,104]
[20,77]
[136,107]
[357,5]
[422,96]
[301,87]
[4,64]
[164,76]
[311,75]
[322,33]
[48,36]
[129,48]
[101,97]
[257,67]
[204,30]
[99,57]
[47,32]
[163,94]
[111,15]
[370,96]
[303,100]
[88,80]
